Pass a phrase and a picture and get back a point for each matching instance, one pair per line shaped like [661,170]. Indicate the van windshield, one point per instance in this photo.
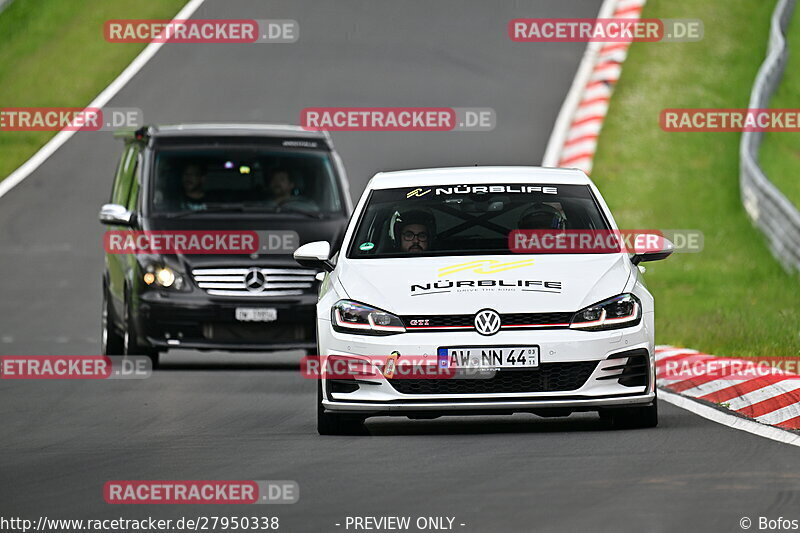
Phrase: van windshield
[252,179]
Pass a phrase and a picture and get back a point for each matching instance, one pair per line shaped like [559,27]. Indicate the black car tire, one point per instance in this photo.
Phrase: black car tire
[632,417]
[337,424]
[131,338]
[112,342]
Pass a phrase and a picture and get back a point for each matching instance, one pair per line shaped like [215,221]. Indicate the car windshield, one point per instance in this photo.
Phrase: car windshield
[468,219]
[252,179]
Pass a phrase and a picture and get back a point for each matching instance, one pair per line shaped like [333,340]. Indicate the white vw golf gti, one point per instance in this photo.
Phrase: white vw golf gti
[429,274]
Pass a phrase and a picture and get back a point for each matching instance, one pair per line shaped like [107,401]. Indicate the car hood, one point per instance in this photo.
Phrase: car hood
[467,284]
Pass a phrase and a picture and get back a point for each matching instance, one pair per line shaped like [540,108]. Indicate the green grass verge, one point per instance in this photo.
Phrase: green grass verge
[780,152]
[732,298]
[52,53]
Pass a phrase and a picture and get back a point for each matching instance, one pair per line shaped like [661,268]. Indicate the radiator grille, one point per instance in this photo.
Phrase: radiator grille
[255,282]
[549,377]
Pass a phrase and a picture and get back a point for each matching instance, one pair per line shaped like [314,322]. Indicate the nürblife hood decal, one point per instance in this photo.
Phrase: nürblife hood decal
[506,283]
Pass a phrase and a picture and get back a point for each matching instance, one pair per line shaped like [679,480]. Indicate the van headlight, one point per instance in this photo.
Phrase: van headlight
[620,311]
[354,317]
[159,275]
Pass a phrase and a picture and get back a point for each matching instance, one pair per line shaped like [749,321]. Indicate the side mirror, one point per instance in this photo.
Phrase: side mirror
[116,215]
[315,255]
[664,251]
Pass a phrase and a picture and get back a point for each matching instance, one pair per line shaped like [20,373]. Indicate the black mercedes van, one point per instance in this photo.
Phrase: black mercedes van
[281,182]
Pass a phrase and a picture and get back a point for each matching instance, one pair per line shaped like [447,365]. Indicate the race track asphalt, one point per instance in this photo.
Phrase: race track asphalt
[217,416]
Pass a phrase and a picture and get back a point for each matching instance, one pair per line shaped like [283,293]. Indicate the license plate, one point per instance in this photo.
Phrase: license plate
[256,314]
[489,357]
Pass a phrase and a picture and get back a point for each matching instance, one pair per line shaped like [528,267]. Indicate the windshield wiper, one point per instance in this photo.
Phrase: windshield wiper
[220,208]
[216,209]
[295,210]
[246,208]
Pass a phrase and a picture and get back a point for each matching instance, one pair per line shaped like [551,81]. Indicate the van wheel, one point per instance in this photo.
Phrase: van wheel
[337,424]
[112,341]
[631,417]
[130,339]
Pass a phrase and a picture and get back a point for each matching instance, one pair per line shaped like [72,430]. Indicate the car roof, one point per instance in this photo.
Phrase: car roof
[475,175]
[232,129]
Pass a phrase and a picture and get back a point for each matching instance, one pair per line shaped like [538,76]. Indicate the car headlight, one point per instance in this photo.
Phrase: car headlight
[354,317]
[620,311]
[159,275]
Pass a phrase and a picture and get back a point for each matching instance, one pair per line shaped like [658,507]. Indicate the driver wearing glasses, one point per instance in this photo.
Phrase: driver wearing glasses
[415,231]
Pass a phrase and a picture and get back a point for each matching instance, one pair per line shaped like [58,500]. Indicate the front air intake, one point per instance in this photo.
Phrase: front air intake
[632,370]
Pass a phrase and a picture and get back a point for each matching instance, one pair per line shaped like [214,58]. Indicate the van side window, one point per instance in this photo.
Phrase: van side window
[122,182]
[133,197]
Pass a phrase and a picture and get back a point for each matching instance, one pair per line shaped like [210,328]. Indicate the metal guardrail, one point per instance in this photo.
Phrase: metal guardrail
[768,208]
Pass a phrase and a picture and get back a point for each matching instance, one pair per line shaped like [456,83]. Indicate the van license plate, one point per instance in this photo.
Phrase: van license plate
[256,314]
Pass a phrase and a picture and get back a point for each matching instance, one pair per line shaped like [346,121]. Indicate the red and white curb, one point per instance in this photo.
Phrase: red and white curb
[574,139]
[773,400]
[764,406]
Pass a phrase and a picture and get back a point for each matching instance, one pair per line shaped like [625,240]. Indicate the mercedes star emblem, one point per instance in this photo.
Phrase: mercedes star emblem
[255,280]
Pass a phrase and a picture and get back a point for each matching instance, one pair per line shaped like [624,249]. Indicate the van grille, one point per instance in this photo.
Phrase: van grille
[255,282]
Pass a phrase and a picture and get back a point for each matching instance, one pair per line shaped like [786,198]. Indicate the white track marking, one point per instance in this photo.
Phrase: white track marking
[674,351]
[711,386]
[596,111]
[588,128]
[764,393]
[601,62]
[608,73]
[552,154]
[780,415]
[598,91]
[555,153]
[579,148]
[27,168]
[735,422]
[619,55]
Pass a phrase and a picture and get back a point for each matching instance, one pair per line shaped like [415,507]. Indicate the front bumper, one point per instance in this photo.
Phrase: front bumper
[538,405]
[194,320]
[605,353]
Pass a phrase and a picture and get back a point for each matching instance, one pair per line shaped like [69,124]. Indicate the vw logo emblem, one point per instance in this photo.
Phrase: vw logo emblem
[487,322]
[255,280]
